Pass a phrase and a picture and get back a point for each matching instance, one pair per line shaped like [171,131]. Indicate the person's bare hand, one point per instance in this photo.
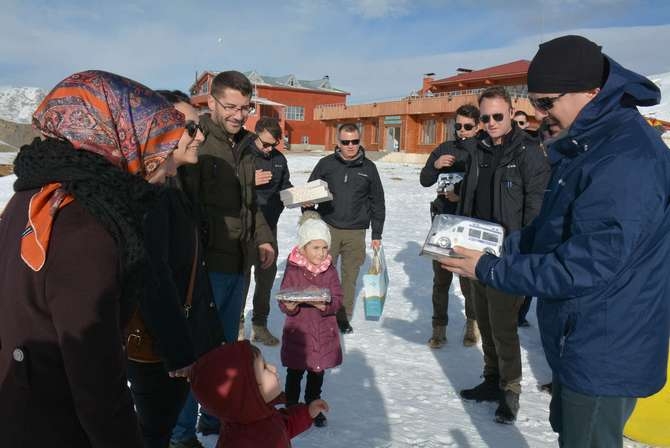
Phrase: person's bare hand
[290,305]
[465,265]
[321,306]
[263,177]
[376,244]
[266,255]
[317,406]
[444,161]
[452,197]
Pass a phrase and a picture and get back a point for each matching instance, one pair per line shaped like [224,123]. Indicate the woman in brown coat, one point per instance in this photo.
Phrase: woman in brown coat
[73,261]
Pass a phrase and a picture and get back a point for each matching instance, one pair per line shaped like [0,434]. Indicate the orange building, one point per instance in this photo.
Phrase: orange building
[291,100]
[419,122]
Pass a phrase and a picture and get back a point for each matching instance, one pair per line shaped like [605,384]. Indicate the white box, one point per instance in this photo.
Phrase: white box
[313,192]
[448,231]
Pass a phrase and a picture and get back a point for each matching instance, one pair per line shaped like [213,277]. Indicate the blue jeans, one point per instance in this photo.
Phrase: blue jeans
[228,289]
[586,421]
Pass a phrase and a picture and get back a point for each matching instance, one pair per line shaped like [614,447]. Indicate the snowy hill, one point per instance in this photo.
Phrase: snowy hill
[17,104]
[662,110]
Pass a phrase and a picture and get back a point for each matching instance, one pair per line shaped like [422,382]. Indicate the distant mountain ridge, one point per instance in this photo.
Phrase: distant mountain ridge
[17,104]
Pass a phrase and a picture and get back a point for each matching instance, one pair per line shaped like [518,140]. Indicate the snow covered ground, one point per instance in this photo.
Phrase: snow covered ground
[392,390]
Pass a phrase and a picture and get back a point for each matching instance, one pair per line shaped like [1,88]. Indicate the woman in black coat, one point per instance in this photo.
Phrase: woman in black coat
[183,328]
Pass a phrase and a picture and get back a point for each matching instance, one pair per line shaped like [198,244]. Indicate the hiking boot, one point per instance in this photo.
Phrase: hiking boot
[508,407]
[471,335]
[439,337]
[486,391]
[262,334]
[189,443]
[320,420]
[240,332]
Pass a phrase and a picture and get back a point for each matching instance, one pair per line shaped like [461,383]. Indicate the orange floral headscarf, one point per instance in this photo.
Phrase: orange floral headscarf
[121,120]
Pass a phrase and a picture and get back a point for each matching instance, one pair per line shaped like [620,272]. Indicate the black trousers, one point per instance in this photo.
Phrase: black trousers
[312,389]
[158,401]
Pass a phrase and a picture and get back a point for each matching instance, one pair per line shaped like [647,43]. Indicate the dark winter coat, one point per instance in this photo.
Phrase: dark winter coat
[170,241]
[429,173]
[597,255]
[519,180]
[311,338]
[224,382]
[222,184]
[62,362]
[268,195]
[358,194]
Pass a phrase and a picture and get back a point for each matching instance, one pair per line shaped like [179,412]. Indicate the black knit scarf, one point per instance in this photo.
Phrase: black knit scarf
[117,199]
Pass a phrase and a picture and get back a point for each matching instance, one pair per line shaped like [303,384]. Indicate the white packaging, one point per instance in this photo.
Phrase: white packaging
[313,192]
[448,231]
[304,295]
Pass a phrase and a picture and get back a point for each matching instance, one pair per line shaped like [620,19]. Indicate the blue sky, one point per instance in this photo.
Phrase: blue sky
[375,49]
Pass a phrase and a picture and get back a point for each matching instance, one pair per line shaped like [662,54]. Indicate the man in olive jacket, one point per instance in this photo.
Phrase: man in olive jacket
[222,188]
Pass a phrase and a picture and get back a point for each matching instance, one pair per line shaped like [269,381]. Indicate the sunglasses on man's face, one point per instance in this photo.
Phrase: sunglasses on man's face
[520,122]
[355,141]
[266,144]
[466,126]
[544,103]
[192,128]
[496,117]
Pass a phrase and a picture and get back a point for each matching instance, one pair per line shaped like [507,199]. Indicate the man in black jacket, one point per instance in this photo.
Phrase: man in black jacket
[505,184]
[272,176]
[358,202]
[450,156]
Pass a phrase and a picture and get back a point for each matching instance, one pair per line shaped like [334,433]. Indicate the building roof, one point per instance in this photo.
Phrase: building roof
[286,81]
[516,68]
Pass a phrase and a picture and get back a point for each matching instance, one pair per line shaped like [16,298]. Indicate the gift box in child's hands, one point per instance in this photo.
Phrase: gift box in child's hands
[375,286]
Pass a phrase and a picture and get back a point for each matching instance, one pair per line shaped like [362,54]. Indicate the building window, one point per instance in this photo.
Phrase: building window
[428,132]
[449,131]
[296,113]
[204,88]
[361,128]
[305,140]
[375,132]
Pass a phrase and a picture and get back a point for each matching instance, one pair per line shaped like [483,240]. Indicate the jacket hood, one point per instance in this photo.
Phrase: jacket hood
[223,381]
[622,91]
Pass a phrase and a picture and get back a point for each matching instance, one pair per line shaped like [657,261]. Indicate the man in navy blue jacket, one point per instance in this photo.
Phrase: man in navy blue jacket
[596,256]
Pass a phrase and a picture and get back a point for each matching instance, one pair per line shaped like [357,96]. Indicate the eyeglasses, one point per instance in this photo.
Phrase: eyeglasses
[520,122]
[192,128]
[546,102]
[355,141]
[231,108]
[496,117]
[266,144]
[466,126]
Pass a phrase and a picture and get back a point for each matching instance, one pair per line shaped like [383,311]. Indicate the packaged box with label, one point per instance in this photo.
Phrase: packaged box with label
[313,192]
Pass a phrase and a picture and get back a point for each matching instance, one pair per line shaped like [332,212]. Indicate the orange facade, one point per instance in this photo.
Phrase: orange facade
[423,120]
[292,101]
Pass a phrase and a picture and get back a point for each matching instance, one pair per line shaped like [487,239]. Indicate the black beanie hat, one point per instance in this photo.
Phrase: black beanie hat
[566,64]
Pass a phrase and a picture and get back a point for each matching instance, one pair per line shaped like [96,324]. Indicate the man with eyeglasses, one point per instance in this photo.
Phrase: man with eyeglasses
[358,203]
[597,255]
[222,188]
[272,176]
[451,156]
[505,184]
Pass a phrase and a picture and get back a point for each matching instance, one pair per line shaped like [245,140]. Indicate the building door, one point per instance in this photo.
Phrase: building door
[392,138]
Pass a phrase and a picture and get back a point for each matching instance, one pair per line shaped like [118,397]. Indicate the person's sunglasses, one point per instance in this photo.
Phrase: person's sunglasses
[466,126]
[545,103]
[266,144]
[520,122]
[496,117]
[355,141]
[192,128]
[231,108]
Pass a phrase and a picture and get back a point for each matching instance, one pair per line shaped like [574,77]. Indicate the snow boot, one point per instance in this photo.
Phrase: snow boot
[320,420]
[262,334]
[471,335]
[486,391]
[508,407]
[439,337]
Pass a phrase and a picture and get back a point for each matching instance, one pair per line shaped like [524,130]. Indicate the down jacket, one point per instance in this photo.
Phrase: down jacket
[597,254]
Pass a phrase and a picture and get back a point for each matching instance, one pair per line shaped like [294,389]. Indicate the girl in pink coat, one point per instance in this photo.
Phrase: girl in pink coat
[311,338]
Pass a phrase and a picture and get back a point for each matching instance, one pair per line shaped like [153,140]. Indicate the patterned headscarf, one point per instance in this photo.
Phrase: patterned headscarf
[128,124]
[125,122]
